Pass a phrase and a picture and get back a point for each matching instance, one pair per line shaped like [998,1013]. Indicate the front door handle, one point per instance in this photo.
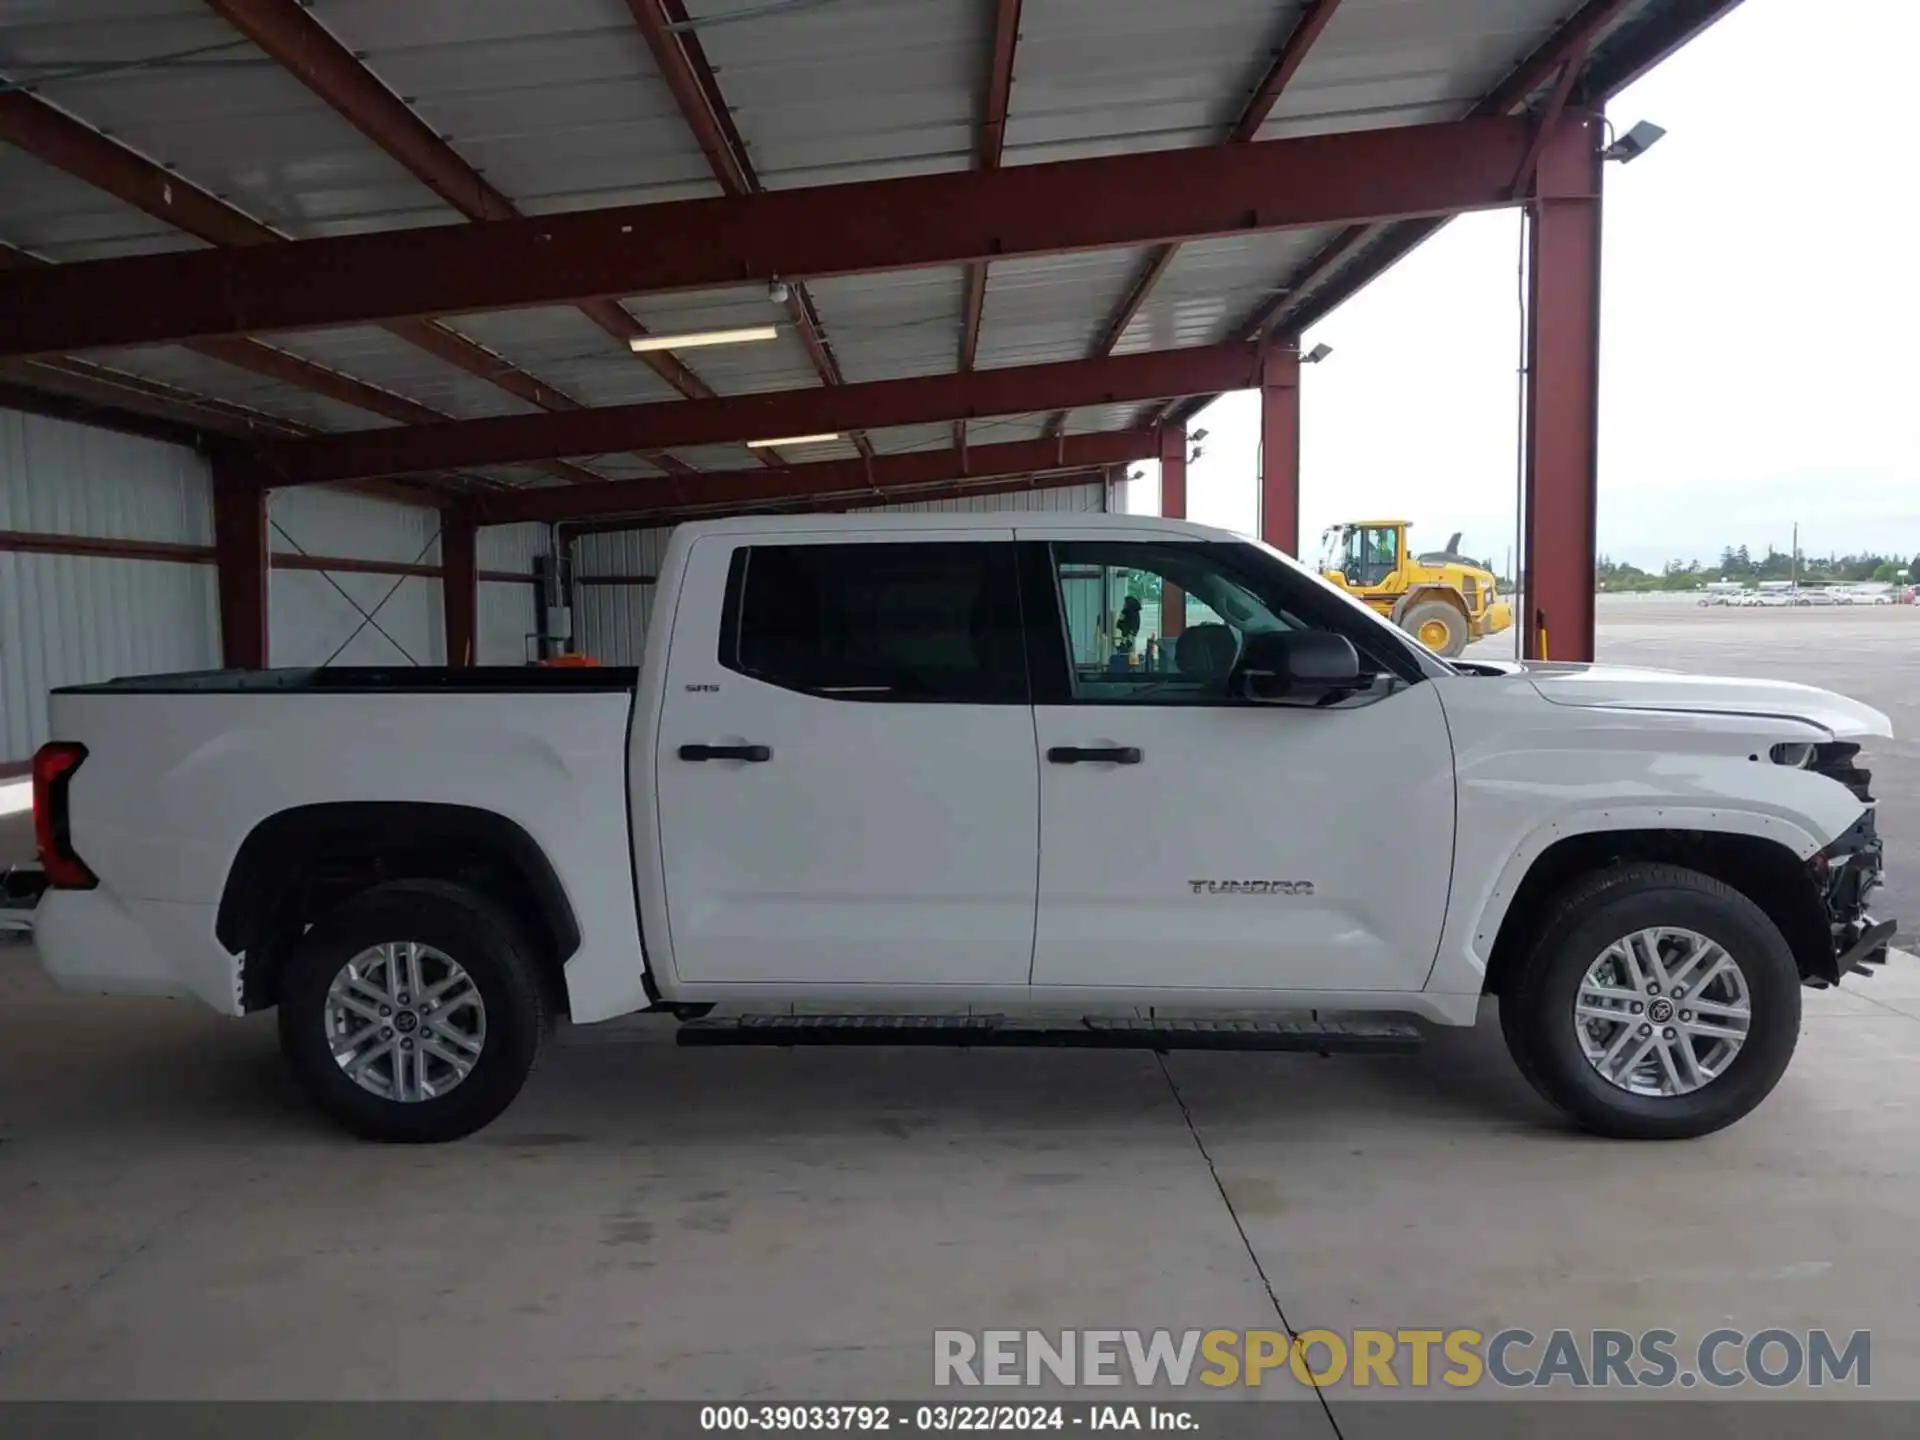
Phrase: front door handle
[757,754]
[1107,754]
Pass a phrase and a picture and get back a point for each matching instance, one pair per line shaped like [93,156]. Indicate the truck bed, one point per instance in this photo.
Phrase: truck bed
[374,679]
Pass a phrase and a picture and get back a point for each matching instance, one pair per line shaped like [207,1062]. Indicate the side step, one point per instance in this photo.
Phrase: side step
[1368,1036]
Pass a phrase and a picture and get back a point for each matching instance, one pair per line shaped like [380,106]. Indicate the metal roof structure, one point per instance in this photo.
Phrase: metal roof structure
[154,128]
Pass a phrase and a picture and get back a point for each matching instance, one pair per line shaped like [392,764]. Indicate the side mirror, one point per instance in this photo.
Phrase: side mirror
[1277,666]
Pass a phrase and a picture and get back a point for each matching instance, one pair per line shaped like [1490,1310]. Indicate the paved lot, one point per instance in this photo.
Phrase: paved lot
[793,1224]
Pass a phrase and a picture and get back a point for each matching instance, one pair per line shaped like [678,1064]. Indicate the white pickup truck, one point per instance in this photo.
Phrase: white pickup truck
[982,780]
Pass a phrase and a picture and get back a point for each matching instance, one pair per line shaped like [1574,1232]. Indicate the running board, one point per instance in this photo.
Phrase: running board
[1321,1037]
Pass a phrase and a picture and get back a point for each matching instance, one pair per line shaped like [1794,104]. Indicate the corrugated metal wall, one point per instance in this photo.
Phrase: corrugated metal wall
[71,619]
[610,621]
[311,620]
[508,612]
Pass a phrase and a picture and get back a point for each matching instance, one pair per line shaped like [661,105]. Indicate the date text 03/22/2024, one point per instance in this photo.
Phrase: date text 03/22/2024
[947,1418]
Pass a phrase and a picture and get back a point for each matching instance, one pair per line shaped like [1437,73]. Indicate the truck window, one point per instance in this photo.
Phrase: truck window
[1113,600]
[920,622]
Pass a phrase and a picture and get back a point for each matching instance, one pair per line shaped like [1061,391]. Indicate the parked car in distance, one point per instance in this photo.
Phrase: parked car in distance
[882,762]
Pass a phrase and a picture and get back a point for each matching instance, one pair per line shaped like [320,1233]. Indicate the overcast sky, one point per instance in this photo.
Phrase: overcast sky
[1760,324]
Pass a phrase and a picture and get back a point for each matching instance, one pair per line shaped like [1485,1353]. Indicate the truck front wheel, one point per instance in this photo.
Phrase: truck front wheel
[414,1012]
[1657,1004]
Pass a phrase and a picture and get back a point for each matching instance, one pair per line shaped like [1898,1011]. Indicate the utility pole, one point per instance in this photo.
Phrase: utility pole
[1793,566]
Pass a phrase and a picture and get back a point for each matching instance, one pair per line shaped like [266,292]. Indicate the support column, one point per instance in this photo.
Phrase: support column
[1280,447]
[240,560]
[1558,545]
[459,584]
[1173,506]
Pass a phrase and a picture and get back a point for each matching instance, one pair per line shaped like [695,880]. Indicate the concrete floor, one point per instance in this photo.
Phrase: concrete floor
[653,1221]
[174,1222]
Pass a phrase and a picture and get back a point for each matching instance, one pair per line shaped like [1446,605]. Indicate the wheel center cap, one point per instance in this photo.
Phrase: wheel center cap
[1660,1011]
[406,1022]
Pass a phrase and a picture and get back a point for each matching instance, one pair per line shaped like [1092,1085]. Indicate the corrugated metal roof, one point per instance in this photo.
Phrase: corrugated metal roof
[1053,307]
[1003,429]
[1146,75]
[59,218]
[228,119]
[1408,62]
[190,370]
[369,353]
[717,457]
[1092,418]
[901,439]
[853,90]
[560,105]
[568,351]
[902,323]
[1212,285]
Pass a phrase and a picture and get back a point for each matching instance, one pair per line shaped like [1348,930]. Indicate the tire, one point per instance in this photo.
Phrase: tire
[1581,924]
[1437,612]
[500,964]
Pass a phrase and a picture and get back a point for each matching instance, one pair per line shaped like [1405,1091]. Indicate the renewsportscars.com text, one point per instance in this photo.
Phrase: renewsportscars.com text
[1412,1359]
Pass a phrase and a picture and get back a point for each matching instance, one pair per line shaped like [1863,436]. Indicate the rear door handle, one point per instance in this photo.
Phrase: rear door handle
[754,753]
[1107,754]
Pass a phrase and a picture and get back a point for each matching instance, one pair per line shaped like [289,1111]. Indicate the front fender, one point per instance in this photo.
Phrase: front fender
[1528,780]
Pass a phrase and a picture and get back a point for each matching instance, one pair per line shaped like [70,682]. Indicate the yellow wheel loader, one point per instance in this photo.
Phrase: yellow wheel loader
[1443,599]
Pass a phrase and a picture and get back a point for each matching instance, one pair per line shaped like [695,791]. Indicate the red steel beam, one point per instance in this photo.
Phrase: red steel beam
[1173,506]
[853,228]
[30,542]
[1562,397]
[993,144]
[1280,449]
[1554,106]
[103,415]
[288,369]
[240,560]
[1286,64]
[300,44]
[83,380]
[459,584]
[1287,61]
[924,400]
[882,474]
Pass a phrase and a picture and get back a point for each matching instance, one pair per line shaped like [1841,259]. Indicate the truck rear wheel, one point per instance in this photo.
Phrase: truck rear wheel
[414,1012]
[1438,626]
[1657,1004]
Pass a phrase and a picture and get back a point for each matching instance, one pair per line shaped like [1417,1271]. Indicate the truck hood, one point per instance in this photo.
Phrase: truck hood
[1619,687]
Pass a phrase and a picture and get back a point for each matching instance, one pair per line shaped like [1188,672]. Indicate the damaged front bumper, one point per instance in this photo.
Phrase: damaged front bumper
[1847,873]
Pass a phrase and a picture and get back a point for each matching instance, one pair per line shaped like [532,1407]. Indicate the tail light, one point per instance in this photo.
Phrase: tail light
[53,767]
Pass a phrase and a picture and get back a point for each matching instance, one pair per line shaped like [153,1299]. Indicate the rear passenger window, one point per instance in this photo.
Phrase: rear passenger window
[879,622]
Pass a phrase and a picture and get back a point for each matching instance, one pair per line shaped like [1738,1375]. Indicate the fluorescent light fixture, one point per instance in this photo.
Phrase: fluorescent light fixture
[792,440]
[695,339]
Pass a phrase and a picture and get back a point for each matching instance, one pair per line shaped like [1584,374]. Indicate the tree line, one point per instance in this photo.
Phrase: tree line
[1737,563]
